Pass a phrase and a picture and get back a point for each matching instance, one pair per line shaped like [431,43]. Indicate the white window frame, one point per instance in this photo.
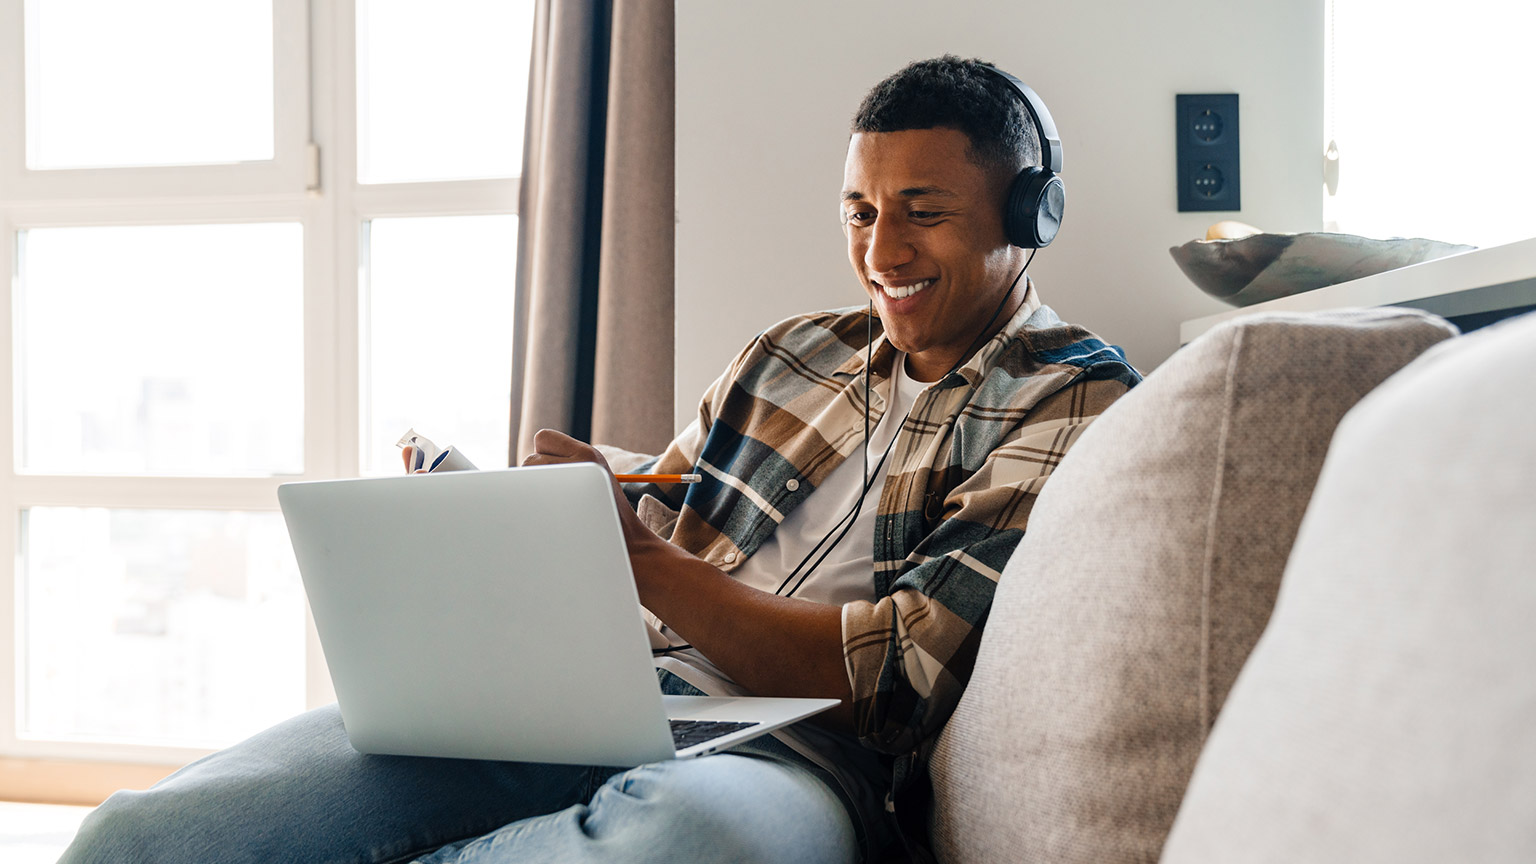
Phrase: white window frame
[312,182]
[290,68]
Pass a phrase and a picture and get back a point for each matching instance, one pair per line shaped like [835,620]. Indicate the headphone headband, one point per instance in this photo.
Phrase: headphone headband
[1036,197]
[1050,141]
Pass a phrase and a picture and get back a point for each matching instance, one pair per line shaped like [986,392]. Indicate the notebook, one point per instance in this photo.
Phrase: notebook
[493,615]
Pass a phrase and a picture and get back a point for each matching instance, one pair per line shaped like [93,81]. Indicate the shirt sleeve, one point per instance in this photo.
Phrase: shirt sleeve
[910,655]
[659,505]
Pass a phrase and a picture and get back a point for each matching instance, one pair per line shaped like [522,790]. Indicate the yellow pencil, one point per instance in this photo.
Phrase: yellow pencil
[659,478]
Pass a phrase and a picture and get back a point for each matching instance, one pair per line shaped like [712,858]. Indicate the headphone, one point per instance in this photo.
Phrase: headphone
[1032,215]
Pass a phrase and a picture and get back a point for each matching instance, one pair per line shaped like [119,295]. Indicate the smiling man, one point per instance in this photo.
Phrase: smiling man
[926,238]
[868,472]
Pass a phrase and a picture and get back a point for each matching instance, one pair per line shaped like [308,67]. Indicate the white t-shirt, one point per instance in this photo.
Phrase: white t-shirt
[848,571]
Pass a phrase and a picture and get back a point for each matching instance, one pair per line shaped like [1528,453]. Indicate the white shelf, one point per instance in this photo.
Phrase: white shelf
[1482,280]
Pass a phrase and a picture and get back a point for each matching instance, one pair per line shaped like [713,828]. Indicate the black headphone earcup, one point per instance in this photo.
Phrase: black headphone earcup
[1035,203]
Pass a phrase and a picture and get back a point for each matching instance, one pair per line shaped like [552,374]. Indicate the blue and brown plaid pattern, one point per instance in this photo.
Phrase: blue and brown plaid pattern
[966,466]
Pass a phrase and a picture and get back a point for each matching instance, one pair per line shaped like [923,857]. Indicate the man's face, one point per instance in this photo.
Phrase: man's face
[925,236]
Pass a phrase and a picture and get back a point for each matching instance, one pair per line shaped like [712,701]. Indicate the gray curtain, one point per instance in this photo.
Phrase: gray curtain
[592,352]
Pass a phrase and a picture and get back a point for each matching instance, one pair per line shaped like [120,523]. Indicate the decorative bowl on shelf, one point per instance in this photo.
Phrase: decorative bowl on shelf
[1250,269]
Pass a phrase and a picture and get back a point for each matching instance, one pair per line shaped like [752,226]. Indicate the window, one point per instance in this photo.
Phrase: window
[249,242]
[1428,108]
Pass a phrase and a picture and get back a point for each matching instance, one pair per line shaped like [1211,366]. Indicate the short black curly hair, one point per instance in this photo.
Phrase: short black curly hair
[952,92]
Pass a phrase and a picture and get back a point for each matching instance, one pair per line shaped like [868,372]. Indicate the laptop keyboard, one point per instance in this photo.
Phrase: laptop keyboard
[686,733]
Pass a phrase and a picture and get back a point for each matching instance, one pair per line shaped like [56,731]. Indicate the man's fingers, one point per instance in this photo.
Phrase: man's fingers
[550,442]
[560,447]
[552,447]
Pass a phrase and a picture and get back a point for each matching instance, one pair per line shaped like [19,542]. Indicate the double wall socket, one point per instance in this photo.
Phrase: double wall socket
[1210,176]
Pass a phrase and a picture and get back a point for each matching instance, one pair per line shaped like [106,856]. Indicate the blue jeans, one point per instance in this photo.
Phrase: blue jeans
[298,792]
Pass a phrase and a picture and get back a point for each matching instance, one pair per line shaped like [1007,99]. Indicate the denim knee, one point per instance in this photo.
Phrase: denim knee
[127,829]
[721,808]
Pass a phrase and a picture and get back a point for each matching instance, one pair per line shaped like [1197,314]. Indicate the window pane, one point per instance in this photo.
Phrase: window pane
[441,96]
[172,350]
[438,336]
[1404,80]
[168,627]
[152,82]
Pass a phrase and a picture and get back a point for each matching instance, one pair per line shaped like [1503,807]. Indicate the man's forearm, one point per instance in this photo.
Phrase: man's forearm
[773,646]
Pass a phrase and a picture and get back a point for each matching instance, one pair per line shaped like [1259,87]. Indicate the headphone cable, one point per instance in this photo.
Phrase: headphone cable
[853,515]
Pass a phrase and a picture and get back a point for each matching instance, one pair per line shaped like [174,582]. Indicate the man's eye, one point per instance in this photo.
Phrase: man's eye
[861,217]
[924,215]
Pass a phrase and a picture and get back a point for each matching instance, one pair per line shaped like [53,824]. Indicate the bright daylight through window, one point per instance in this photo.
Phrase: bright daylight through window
[1429,108]
[196,318]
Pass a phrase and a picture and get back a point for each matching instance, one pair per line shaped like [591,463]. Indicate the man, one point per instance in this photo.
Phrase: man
[867,478]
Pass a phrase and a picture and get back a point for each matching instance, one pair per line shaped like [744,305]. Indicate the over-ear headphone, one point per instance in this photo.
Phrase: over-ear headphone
[1035,200]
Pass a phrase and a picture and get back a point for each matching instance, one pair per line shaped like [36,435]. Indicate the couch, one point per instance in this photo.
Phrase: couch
[1275,605]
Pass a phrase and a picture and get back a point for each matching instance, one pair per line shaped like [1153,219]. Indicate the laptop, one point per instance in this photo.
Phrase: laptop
[493,615]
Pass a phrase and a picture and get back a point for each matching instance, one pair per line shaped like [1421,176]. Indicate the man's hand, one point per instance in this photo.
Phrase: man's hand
[408,455]
[557,448]
[773,646]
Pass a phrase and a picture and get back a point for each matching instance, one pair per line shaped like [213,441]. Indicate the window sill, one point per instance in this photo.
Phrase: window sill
[56,781]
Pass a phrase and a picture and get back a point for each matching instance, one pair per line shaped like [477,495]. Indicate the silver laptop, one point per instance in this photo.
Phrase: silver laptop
[493,615]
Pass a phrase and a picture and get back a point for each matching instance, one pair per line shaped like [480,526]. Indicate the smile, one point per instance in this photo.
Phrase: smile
[906,290]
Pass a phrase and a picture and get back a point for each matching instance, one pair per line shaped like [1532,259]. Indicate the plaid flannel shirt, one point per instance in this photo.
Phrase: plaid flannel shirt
[967,464]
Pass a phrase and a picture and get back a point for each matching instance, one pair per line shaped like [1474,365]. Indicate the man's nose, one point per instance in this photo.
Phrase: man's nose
[889,246]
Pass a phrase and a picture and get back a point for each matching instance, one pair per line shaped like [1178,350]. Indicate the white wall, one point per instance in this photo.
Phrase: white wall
[765,90]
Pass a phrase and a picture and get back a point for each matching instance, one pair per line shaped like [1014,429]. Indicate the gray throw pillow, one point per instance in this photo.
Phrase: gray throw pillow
[1147,573]
[1389,712]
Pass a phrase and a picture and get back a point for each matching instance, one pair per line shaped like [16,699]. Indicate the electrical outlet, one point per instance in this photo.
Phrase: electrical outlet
[1209,170]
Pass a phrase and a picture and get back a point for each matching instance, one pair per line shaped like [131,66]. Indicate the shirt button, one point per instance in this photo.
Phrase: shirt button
[792,484]
[730,557]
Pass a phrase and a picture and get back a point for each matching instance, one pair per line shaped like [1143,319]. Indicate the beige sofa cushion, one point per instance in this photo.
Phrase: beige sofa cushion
[1148,571]
[1389,712]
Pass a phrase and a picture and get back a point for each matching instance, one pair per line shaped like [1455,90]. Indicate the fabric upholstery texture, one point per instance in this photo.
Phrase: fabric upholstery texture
[1147,574]
[1389,712]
